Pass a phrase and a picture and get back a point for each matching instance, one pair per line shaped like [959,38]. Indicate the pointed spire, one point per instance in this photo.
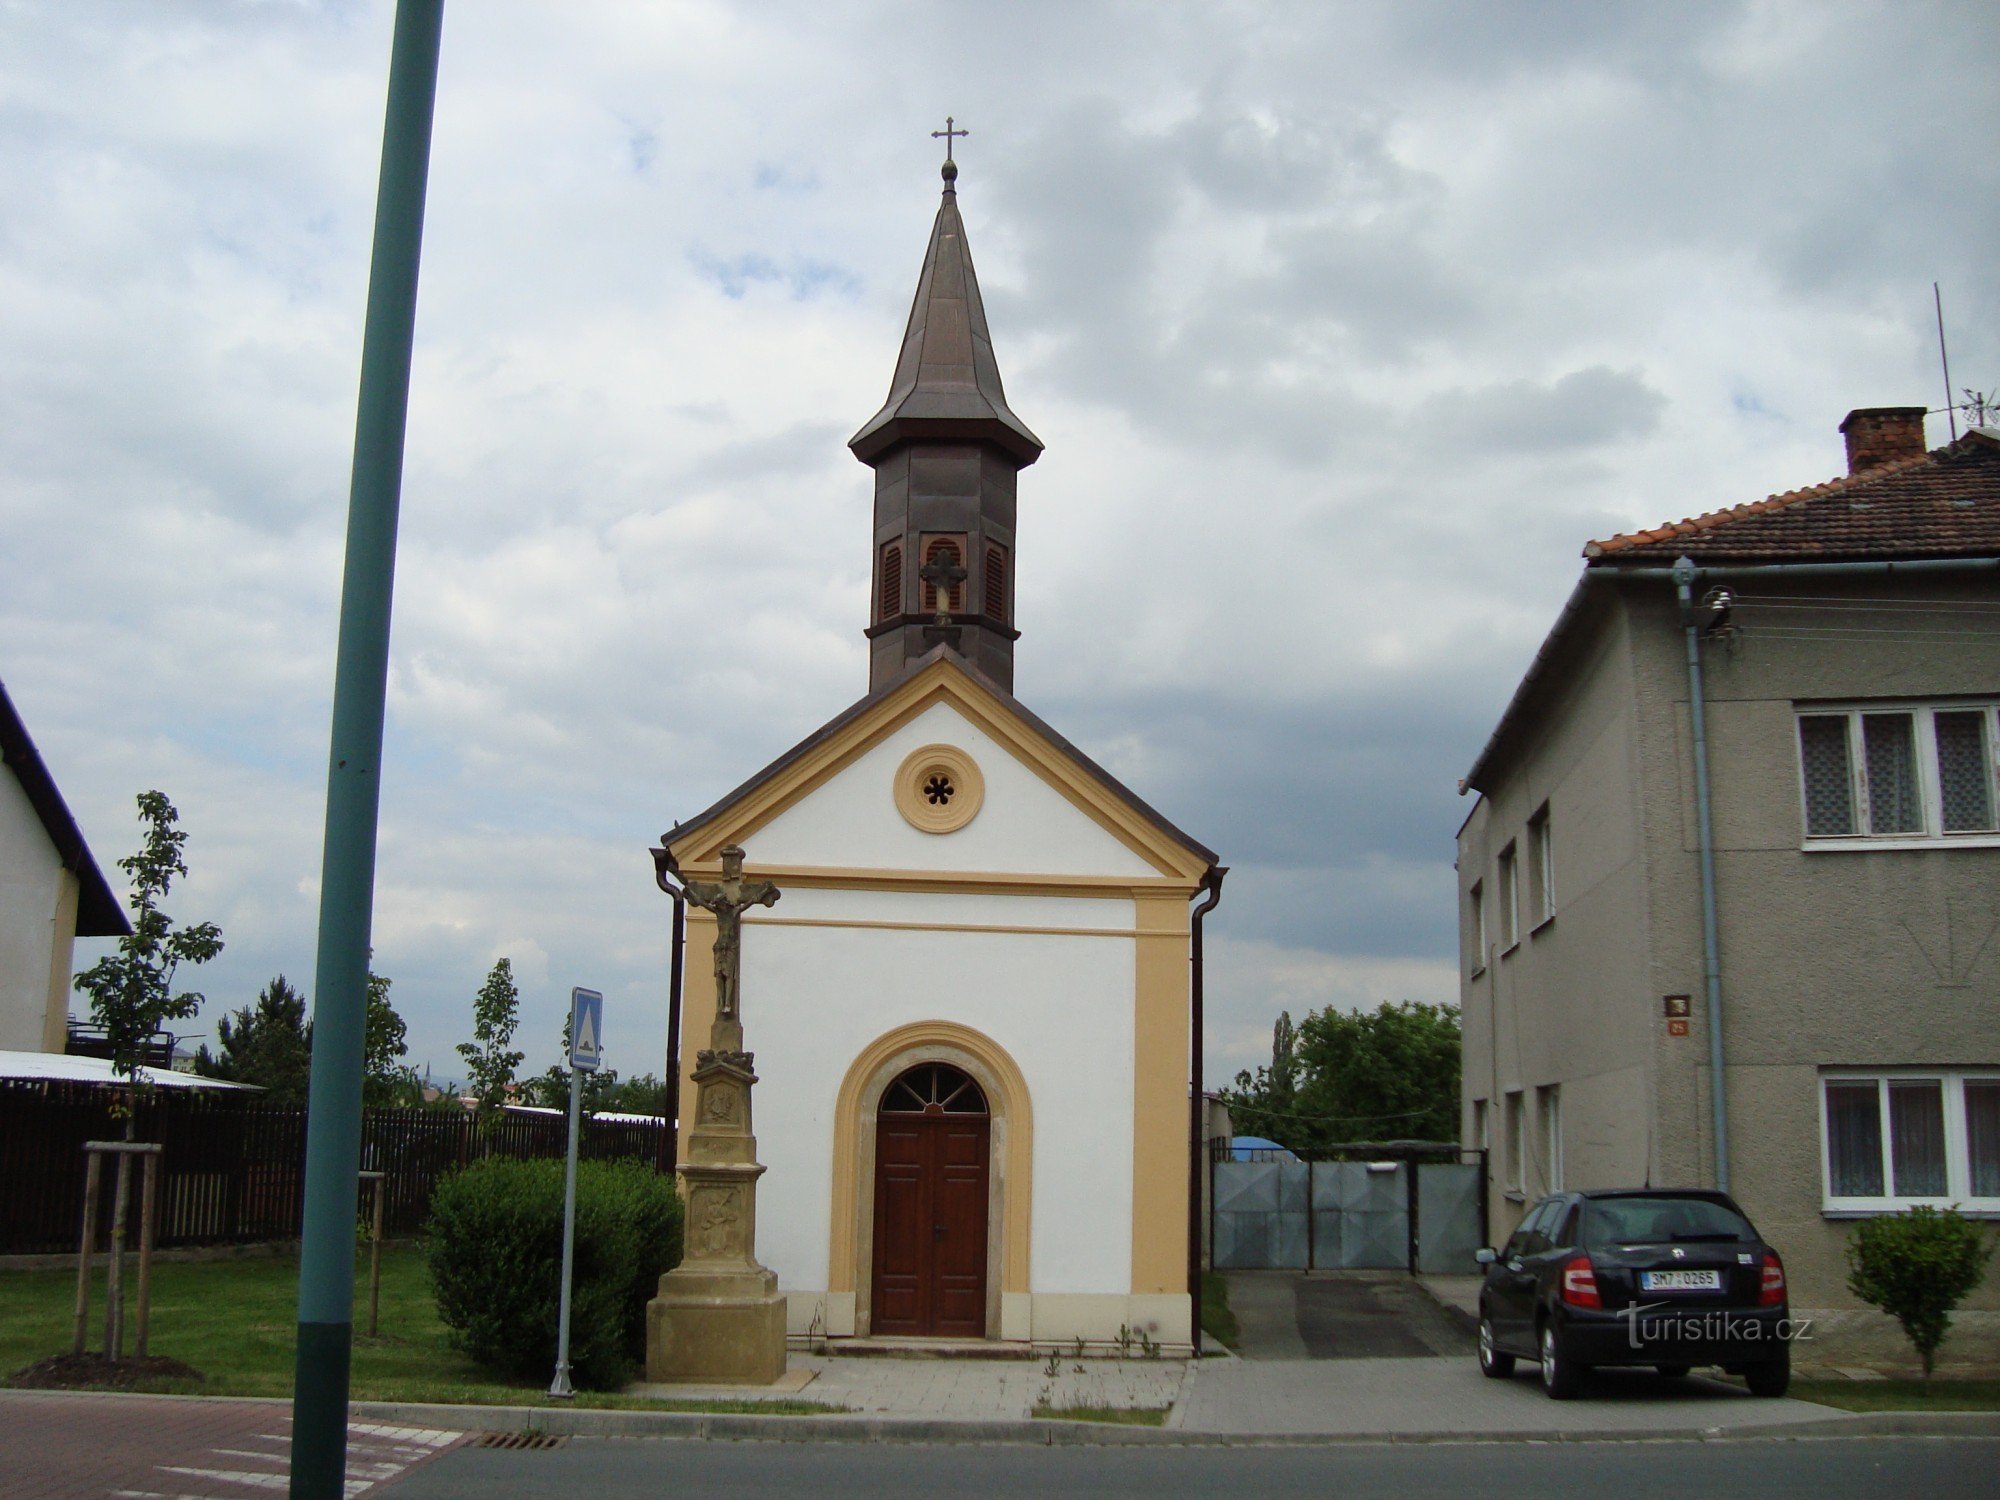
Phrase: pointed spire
[947,383]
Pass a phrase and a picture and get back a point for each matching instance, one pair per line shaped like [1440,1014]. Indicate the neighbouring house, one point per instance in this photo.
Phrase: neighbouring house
[974,1009]
[1752,773]
[51,893]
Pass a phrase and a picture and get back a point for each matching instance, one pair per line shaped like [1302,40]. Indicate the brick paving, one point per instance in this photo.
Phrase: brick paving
[57,1445]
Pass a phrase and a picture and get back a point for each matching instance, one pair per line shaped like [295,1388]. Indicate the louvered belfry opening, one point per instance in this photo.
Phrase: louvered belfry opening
[889,597]
[996,583]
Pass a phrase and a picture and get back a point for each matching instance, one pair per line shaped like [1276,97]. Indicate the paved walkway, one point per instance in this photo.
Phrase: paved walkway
[58,1445]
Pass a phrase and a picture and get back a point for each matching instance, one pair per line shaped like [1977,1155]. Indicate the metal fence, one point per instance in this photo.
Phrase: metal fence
[233,1172]
[1416,1210]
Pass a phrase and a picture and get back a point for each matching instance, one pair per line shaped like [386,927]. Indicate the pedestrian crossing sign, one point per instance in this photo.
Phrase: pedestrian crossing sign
[586,1029]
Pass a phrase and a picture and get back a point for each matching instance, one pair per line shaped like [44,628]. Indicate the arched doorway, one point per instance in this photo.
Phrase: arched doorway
[931,1164]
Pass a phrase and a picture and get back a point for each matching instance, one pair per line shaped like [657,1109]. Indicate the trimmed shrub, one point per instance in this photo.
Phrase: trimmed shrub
[494,1251]
[1916,1266]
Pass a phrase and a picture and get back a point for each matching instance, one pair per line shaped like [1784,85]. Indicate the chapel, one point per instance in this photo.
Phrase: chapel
[975,1010]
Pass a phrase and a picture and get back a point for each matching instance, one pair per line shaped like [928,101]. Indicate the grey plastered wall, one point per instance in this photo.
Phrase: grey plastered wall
[1566,1005]
[1845,957]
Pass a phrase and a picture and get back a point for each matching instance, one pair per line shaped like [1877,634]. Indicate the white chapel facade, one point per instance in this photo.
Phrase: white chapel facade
[972,1011]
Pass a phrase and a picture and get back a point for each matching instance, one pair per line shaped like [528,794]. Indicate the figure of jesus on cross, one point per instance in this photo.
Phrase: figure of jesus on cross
[728,899]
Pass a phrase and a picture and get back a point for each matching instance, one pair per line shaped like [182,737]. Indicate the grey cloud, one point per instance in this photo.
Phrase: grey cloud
[1584,408]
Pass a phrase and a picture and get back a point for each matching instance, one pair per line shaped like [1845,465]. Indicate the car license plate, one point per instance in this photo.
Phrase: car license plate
[1680,1281]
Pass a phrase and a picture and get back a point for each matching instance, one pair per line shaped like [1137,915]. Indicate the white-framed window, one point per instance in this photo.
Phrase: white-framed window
[1516,1125]
[1899,773]
[1901,1136]
[1508,895]
[1541,869]
[1548,1106]
[1475,927]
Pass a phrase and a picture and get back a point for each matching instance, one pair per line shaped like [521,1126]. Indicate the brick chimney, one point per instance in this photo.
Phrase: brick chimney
[1878,435]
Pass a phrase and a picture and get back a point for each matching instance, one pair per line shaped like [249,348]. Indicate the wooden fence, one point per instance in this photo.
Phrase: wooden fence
[233,1172]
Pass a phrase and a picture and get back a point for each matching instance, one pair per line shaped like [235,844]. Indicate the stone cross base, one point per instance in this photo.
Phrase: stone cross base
[716,1329]
[719,1317]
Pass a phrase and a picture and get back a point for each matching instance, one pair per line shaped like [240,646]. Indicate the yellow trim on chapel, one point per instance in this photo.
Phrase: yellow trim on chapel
[940,682]
[1160,1076]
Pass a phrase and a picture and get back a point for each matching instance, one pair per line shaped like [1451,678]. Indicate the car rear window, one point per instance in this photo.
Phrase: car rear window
[1662,1220]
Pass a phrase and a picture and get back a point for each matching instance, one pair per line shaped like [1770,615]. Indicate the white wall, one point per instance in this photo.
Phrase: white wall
[1024,825]
[1061,1006]
[31,876]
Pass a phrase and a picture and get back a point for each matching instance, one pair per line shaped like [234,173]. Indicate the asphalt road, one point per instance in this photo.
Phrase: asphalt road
[1286,1315]
[1822,1469]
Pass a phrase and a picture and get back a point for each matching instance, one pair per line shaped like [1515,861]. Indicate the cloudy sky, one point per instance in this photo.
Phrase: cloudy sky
[1346,325]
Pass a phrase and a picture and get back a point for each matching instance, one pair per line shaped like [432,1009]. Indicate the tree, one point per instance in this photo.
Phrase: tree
[1917,1266]
[132,991]
[1387,1074]
[489,1064]
[551,1089]
[270,1046]
[386,1083]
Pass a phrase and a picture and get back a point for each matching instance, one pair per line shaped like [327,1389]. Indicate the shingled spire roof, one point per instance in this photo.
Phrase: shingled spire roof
[947,383]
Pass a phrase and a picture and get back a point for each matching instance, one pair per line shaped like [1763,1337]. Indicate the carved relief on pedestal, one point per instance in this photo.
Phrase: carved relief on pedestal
[718,1223]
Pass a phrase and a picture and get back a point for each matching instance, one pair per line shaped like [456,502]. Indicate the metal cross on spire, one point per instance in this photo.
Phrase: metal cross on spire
[946,135]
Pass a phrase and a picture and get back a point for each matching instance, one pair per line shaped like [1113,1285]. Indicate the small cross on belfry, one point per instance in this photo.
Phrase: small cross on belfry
[946,134]
[944,574]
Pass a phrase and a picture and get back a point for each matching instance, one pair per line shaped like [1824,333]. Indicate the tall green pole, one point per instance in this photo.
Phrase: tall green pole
[353,787]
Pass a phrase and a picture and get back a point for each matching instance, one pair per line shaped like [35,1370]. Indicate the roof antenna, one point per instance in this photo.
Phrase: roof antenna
[1950,411]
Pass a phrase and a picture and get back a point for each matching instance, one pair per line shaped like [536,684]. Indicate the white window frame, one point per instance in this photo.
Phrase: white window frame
[1929,794]
[1548,1112]
[1957,1155]
[1541,870]
[1507,896]
[1514,1148]
[1475,900]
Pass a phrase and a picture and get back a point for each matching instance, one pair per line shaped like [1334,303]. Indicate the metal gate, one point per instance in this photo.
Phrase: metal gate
[1421,1216]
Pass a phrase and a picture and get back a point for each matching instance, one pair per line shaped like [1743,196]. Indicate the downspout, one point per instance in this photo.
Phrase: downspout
[1684,576]
[1197,1143]
[666,875]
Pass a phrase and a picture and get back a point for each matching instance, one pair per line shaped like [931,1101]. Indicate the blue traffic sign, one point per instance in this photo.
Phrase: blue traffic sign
[586,1030]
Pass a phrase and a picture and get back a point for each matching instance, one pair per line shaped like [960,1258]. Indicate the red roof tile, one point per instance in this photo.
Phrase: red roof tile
[1945,503]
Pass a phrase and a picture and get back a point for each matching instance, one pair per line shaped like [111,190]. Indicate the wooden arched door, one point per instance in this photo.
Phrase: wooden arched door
[931,1164]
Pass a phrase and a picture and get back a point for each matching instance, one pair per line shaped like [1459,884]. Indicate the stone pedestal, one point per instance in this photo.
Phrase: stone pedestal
[719,1318]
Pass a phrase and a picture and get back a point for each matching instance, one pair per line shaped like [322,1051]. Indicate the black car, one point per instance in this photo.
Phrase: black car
[1643,1276]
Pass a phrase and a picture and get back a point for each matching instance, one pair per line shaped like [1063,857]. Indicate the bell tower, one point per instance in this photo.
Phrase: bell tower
[946,450]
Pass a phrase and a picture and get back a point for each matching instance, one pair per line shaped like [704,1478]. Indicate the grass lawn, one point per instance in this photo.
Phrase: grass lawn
[1216,1318]
[1121,1416]
[236,1322]
[1941,1394]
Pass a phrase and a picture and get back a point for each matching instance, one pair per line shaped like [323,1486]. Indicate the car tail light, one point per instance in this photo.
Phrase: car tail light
[1580,1283]
[1771,1288]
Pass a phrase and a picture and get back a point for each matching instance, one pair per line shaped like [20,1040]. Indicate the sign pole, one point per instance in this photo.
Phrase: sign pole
[560,1386]
[361,670]
[586,1030]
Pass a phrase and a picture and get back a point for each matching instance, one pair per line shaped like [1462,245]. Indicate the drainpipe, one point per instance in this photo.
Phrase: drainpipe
[1197,1143]
[1684,575]
[666,875]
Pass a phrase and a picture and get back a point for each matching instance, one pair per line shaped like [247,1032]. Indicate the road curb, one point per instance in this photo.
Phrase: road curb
[863,1428]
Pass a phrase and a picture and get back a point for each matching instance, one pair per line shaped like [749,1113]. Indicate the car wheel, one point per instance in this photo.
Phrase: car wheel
[1560,1374]
[1492,1363]
[1673,1372]
[1772,1379]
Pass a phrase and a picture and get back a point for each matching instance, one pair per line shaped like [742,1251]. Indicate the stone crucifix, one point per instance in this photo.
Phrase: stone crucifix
[727,899]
